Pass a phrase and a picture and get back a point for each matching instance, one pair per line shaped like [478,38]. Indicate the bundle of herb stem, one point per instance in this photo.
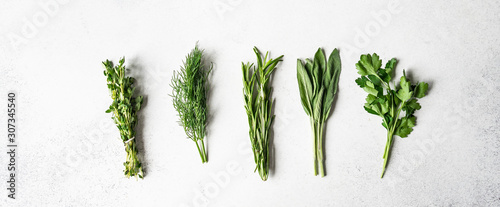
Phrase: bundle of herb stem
[124,109]
[318,85]
[258,105]
[388,102]
[190,87]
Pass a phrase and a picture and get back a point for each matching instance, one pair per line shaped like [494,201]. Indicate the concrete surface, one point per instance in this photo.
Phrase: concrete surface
[69,153]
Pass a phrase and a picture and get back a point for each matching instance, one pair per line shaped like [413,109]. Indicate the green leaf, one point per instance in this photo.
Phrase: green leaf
[387,120]
[378,105]
[316,77]
[369,110]
[404,94]
[406,126]
[138,103]
[332,87]
[320,59]
[259,57]
[337,66]
[413,104]
[305,87]
[376,62]
[371,63]
[389,68]
[384,76]
[333,66]
[370,98]
[375,80]
[317,104]
[368,64]
[421,89]
[329,97]
[361,81]
[370,88]
[361,69]
[309,66]
[376,108]
[271,66]
[384,106]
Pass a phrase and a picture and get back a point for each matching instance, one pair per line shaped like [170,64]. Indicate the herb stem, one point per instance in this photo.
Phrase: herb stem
[204,151]
[320,149]
[201,151]
[315,149]
[317,134]
[390,135]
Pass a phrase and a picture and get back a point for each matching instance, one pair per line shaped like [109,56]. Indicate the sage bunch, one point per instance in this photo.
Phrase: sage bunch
[318,84]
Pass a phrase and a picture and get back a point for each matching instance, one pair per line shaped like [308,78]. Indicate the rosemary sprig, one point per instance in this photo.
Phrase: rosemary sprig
[190,86]
[258,105]
[318,85]
[124,109]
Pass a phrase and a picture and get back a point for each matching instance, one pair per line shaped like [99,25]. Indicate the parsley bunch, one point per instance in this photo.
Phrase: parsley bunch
[190,86]
[389,102]
[258,105]
[318,84]
[124,109]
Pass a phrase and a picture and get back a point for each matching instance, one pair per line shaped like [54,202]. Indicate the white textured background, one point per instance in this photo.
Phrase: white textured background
[69,153]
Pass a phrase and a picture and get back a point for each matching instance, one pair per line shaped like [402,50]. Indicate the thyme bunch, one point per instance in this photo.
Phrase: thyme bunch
[124,110]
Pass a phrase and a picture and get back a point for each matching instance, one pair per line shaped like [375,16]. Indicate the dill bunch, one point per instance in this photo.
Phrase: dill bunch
[258,105]
[189,93]
[124,109]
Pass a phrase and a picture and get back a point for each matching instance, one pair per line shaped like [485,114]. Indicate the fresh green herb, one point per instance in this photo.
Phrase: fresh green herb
[124,109]
[318,84]
[258,104]
[190,86]
[386,102]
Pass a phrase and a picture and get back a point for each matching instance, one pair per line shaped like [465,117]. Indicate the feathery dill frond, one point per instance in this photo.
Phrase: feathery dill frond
[189,93]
